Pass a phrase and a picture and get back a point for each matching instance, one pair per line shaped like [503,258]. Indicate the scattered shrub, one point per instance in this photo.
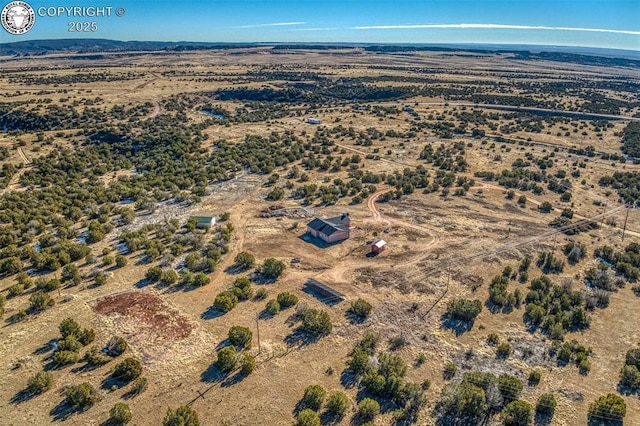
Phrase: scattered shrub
[316,322]
[313,397]
[82,395]
[272,307]
[546,404]
[367,409]
[272,268]
[503,350]
[464,309]
[40,383]
[610,407]
[338,403]
[245,260]
[120,413]
[181,416]
[286,300]
[534,378]
[307,417]
[247,364]
[518,413]
[225,301]
[127,370]
[227,359]
[240,336]
[360,308]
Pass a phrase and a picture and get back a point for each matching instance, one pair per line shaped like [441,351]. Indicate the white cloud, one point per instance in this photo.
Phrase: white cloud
[315,29]
[273,24]
[492,26]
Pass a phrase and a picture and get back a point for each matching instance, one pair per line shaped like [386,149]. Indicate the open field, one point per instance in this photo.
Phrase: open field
[110,155]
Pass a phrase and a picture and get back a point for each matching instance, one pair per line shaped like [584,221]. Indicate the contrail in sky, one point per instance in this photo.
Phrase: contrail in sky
[492,26]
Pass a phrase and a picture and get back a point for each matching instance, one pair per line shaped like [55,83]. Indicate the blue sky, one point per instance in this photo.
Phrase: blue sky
[589,23]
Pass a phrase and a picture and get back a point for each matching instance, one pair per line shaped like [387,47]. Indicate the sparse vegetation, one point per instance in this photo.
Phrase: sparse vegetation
[40,383]
[181,416]
[360,309]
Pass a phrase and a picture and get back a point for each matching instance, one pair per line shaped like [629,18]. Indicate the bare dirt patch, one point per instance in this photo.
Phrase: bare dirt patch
[149,313]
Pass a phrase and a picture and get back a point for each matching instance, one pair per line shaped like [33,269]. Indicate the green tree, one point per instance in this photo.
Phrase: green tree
[360,308]
[181,416]
[286,300]
[546,404]
[127,370]
[272,268]
[242,288]
[240,336]
[40,383]
[338,403]
[316,322]
[40,301]
[464,309]
[120,414]
[610,407]
[69,327]
[247,364]
[121,261]
[245,260]
[518,413]
[225,301]
[313,397]
[139,385]
[272,307]
[307,417]
[116,346]
[367,409]
[82,395]
[227,359]
[169,277]
[154,274]
[509,386]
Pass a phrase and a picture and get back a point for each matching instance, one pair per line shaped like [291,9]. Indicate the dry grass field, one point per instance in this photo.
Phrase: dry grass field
[441,244]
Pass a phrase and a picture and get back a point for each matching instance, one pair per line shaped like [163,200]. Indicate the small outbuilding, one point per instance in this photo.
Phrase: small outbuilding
[312,120]
[378,247]
[203,222]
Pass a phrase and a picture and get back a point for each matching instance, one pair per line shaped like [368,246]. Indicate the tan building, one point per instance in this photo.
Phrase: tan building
[330,230]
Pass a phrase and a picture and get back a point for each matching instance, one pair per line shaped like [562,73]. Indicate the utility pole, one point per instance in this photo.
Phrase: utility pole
[624,228]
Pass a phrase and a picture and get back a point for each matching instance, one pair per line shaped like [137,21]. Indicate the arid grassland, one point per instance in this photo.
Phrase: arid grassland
[505,186]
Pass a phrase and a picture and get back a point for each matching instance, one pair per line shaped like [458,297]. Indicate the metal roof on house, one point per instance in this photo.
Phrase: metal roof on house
[327,226]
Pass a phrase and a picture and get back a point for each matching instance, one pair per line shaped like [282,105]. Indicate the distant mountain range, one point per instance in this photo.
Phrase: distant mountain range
[583,55]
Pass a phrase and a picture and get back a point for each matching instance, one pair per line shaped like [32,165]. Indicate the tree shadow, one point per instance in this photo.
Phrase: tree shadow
[542,419]
[259,279]
[599,421]
[45,348]
[264,315]
[301,338]
[235,269]
[232,380]
[85,368]
[22,396]
[353,318]
[222,344]
[211,313]
[328,418]
[111,383]
[212,375]
[143,283]
[459,327]
[348,379]
[63,411]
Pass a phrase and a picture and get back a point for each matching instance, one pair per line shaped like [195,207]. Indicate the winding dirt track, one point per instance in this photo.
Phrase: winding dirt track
[377,217]
[23,156]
